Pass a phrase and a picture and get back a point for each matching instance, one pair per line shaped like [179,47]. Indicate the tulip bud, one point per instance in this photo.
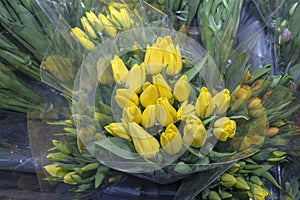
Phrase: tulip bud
[82,38]
[222,100]
[59,157]
[145,144]
[213,195]
[255,108]
[272,131]
[153,60]
[94,20]
[241,183]
[239,96]
[162,86]
[194,133]
[88,28]
[171,140]
[259,192]
[247,76]
[71,177]
[108,26]
[149,116]
[90,167]
[132,114]
[118,130]
[285,36]
[149,95]
[120,71]
[55,170]
[165,112]
[173,60]
[137,77]
[125,18]
[185,111]
[224,128]
[126,98]
[204,106]
[228,180]
[258,84]
[63,147]
[182,89]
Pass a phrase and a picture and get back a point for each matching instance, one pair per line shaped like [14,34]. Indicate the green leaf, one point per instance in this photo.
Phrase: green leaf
[192,72]
[100,175]
[259,73]
[118,146]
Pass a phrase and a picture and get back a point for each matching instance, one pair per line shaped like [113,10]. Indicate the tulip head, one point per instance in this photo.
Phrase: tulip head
[132,114]
[145,144]
[71,177]
[108,26]
[173,60]
[88,28]
[165,112]
[194,133]
[55,170]
[149,95]
[171,140]
[185,110]
[204,106]
[137,77]
[228,180]
[182,89]
[120,71]
[259,192]
[153,60]
[255,107]
[149,116]
[82,38]
[221,100]
[118,130]
[126,98]
[94,20]
[224,128]
[239,96]
[162,86]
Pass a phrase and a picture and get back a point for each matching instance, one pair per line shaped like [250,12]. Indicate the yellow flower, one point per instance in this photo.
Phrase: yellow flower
[164,89]
[137,77]
[120,71]
[108,26]
[259,192]
[171,140]
[154,60]
[239,96]
[55,170]
[132,113]
[255,108]
[204,106]
[70,178]
[82,38]
[121,17]
[145,144]
[194,133]
[126,97]
[117,130]
[224,128]
[165,112]
[221,100]
[149,95]
[182,89]
[88,28]
[94,20]
[228,180]
[173,60]
[185,111]
[149,117]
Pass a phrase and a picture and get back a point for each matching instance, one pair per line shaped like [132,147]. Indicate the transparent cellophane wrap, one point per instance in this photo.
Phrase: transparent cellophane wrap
[78,74]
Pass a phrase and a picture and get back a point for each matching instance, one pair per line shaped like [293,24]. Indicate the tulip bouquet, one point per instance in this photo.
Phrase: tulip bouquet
[146,99]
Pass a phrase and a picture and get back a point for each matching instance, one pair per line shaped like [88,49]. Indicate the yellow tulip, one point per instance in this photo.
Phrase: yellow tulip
[145,144]
[163,42]
[204,105]
[224,128]
[173,60]
[120,18]
[222,100]
[82,38]
[182,89]
[239,96]
[94,20]
[88,28]
[185,110]
[115,15]
[120,71]
[149,95]
[126,97]
[171,140]
[259,192]
[148,117]
[55,170]
[194,132]
[118,130]
[163,87]
[255,108]
[154,60]
[165,112]
[132,113]
[108,26]
[137,77]
[70,178]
